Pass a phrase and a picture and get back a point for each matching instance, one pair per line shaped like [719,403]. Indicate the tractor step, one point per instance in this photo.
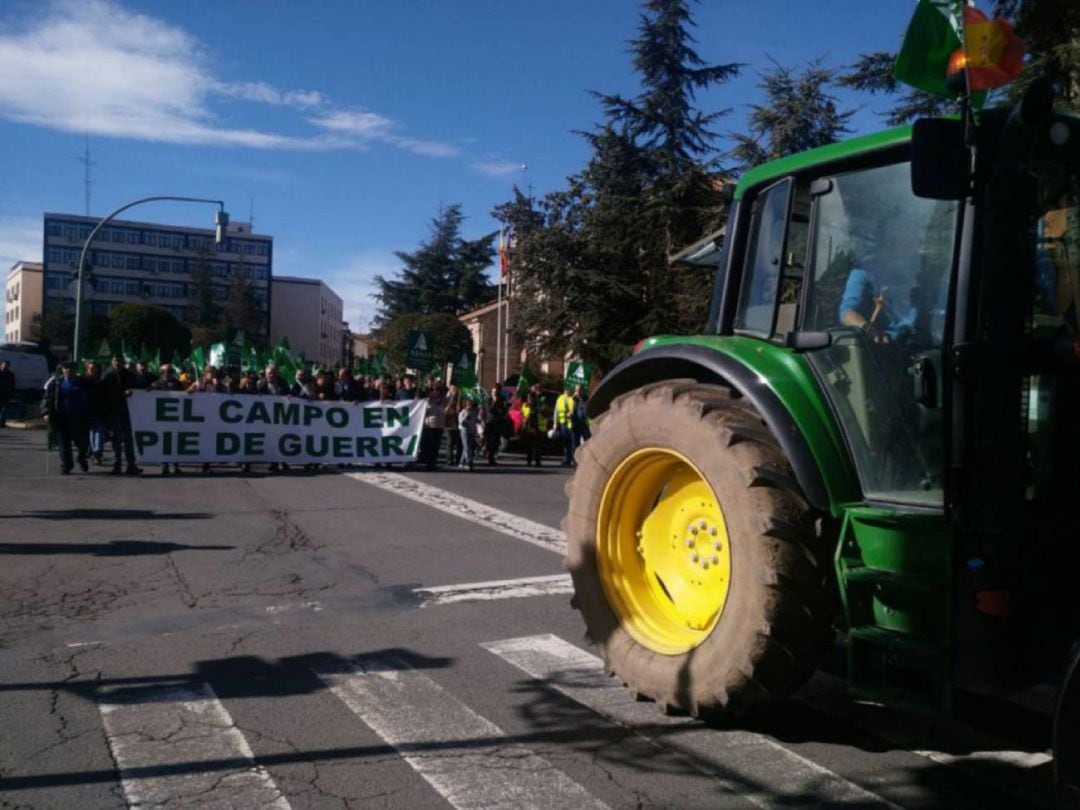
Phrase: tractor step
[893,570]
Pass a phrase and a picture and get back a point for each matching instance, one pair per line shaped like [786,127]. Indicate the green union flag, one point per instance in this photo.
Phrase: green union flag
[420,346]
[526,380]
[578,372]
[464,373]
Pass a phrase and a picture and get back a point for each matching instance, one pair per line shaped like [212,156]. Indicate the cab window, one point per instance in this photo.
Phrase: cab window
[775,260]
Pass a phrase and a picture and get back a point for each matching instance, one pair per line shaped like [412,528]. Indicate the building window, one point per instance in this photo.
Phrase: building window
[149,238]
[53,229]
[69,231]
[84,232]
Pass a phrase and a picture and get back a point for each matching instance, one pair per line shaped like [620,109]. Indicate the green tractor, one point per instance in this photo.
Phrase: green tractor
[877,439]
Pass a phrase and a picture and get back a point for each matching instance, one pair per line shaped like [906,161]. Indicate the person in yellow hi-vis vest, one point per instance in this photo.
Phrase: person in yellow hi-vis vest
[564,418]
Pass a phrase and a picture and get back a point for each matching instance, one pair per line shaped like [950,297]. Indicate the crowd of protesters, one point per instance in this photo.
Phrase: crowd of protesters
[88,412]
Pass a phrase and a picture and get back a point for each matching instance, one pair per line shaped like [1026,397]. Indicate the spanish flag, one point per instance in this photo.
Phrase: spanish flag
[942,41]
[993,54]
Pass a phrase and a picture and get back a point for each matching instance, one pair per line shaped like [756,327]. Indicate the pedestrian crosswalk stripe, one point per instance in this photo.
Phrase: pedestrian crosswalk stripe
[744,761]
[467,509]
[466,758]
[495,589]
[150,730]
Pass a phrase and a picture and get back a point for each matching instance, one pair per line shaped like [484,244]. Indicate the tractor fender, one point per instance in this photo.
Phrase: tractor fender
[710,366]
[1067,732]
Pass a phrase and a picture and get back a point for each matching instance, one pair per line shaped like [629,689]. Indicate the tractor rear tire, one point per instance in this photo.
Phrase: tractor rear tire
[758,621]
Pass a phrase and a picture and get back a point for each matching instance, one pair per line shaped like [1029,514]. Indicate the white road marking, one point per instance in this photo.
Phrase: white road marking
[467,509]
[750,765]
[496,589]
[1017,759]
[161,728]
[463,756]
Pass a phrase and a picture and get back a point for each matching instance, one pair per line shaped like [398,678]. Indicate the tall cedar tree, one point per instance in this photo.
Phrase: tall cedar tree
[798,114]
[590,267]
[445,274]
[1050,30]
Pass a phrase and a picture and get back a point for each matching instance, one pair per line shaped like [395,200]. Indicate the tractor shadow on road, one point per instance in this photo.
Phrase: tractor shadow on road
[666,748]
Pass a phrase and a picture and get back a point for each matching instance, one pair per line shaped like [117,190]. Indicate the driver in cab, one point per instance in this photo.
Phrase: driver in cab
[866,304]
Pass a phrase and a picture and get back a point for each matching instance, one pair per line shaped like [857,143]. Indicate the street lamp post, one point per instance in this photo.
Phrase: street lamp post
[221,222]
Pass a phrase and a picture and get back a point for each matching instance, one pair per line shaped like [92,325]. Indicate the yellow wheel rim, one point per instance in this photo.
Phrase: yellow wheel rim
[662,551]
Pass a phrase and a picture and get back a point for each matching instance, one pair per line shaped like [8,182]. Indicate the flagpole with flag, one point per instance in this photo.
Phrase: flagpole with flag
[503,261]
[951,49]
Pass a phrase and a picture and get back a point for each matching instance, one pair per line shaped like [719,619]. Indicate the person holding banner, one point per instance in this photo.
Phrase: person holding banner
[272,384]
[434,423]
[167,382]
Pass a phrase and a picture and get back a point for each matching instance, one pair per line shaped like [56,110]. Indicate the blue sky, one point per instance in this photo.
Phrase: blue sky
[349,123]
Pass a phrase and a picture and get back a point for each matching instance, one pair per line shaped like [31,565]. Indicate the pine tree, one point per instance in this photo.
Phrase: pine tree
[798,114]
[445,274]
[664,121]
[591,268]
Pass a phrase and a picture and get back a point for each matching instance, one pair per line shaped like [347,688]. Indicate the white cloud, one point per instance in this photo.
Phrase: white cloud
[94,66]
[20,240]
[497,168]
[435,149]
[264,93]
[355,122]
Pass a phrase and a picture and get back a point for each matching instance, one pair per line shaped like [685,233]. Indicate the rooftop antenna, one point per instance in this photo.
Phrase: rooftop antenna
[251,213]
[85,160]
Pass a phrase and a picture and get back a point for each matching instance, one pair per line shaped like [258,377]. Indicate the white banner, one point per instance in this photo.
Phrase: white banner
[197,428]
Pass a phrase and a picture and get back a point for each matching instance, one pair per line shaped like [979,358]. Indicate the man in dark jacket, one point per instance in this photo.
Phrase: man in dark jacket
[272,384]
[66,408]
[116,386]
[7,388]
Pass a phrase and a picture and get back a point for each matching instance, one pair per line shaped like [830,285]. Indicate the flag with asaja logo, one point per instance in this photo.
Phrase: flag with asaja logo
[464,372]
[419,353]
[578,372]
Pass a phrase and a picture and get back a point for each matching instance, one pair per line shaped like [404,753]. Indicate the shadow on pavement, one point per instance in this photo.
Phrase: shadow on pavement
[113,548]
[107,514]
[550,719]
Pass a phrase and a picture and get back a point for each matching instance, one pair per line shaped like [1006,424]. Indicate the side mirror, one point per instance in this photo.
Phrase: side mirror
[940,161]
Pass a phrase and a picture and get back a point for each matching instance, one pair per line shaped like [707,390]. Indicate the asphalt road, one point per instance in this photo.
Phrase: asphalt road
[380,639]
